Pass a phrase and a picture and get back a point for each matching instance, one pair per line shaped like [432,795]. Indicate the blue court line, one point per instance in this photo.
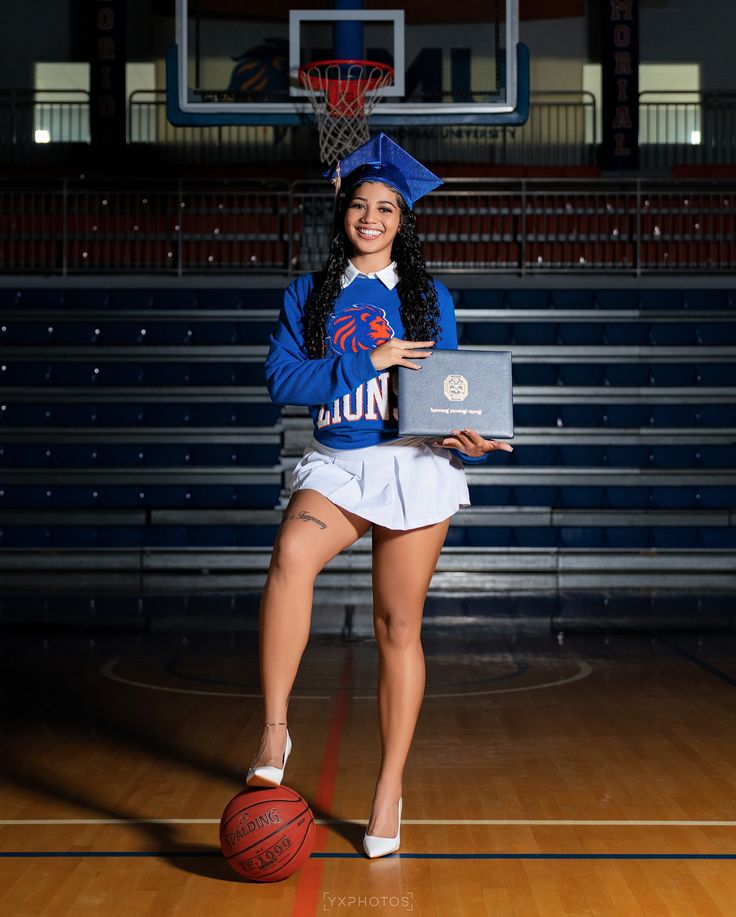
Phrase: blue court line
[82,854]
[706,666]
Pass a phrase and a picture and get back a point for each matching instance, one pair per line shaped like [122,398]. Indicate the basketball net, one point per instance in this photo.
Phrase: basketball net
[338,91]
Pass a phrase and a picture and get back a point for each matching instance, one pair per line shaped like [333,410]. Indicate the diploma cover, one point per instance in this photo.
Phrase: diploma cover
[456,389]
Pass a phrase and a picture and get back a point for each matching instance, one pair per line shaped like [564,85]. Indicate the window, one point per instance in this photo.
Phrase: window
[669,102]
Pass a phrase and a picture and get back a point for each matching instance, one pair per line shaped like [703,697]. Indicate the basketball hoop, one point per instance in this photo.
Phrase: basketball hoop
[343,94]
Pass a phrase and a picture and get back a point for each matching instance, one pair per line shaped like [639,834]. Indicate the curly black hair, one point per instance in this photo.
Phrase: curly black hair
[417,296]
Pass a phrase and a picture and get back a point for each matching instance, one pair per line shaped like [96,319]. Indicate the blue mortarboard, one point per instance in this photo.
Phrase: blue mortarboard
[383,160]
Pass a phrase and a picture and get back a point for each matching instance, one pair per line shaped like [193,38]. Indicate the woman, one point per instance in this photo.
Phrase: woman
[340,336]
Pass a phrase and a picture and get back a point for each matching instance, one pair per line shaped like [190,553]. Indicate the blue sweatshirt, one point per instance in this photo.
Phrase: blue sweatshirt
[350,401]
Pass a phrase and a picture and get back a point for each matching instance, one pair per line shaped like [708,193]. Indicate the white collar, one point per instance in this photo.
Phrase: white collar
[388,275]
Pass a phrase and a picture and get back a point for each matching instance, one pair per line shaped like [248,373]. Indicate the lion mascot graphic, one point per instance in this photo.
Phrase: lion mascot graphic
[358,327]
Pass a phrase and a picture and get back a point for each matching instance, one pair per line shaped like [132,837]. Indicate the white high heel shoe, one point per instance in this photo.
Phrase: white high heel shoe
[268,775]
[376,846]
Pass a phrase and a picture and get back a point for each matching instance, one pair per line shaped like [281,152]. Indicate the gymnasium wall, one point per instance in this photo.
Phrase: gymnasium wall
[671,31]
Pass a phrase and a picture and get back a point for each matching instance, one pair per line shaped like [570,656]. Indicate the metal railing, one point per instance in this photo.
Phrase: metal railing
[30,119]
[676,128]
[560,131]
[182,227]
[687,128]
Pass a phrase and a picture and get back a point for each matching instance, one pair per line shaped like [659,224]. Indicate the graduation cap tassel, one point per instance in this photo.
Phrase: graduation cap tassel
[336,181]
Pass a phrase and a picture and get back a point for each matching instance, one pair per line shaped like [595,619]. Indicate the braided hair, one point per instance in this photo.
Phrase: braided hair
[417,296]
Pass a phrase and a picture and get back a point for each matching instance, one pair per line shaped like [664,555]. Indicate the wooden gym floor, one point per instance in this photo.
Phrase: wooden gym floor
[578,776]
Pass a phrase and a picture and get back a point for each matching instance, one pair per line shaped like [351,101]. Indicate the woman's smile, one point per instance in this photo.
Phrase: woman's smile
[371,223]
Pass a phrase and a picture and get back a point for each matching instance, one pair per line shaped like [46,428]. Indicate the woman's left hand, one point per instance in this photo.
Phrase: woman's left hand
[472,443]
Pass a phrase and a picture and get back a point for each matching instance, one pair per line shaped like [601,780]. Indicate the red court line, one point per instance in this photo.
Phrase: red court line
[310,878]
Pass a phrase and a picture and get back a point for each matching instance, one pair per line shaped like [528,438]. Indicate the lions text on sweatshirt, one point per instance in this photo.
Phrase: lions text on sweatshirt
[352,404]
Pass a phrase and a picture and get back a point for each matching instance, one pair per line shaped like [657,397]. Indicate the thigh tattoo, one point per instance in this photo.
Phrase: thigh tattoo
[305,517]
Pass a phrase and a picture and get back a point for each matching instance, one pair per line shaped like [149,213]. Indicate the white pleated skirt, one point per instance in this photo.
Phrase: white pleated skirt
[401,484]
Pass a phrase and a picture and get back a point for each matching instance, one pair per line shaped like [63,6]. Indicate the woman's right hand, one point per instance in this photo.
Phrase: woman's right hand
[396,351]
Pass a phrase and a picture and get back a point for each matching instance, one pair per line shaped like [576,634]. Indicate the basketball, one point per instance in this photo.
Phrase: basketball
[267,833]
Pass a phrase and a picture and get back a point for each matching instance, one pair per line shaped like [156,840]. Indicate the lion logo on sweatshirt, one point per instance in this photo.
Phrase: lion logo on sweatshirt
[358,327]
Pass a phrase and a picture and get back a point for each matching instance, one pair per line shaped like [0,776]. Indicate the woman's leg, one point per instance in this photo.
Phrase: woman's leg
[313,531]
[403,564]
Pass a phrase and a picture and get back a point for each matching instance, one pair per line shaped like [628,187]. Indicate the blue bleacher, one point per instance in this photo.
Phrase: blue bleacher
[717,415]
[716,374]
[166,374]
[669,300]
[716,333]
[673,497]
[91,299]
[708,299]
[675,537]
[54,373]
[672,334]
[674,415]
[579,333]
[617,299]
[135,299]
[534,333]
[581,497]
[627,374]
[491,332]
[677,374]
[629,537]
[718,497]
[573,299]
[527,299]
[182,298]
[628,415]
[481,299]
[579,374]
[619,334]
[627,456]
[580,456]
[582,415]
[534,373]
[625,497]
[719,456]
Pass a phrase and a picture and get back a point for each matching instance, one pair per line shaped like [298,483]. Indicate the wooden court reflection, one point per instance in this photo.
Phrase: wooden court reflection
[584,775]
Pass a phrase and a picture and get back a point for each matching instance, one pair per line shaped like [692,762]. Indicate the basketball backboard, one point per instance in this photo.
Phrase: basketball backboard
[237,61]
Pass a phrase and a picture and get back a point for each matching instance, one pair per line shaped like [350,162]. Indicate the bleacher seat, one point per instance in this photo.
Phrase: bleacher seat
[670,300]
[617,299]
[715,374]
[626,374]
[680,374]
[629,537]
[578,333]
[581,415]
[674,415]
[534,332]
[700,300]
[122,395]
[534,373]
[581,374]
[716,456]
[716,333]
[573,299]
[632,334]
[672,334]
[675,497]
[628,497]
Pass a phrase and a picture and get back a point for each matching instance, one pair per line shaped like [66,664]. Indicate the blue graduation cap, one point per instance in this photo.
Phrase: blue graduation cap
[383,160]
